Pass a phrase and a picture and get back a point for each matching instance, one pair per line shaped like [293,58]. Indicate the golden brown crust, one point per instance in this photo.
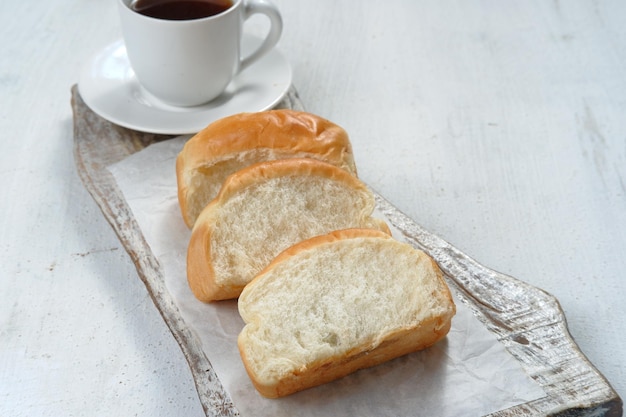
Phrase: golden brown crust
[277,129]
[199,269]
[183,189]
[283,131]
[392,346]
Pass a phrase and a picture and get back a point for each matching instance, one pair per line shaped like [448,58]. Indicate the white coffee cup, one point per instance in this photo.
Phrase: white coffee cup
[191,62]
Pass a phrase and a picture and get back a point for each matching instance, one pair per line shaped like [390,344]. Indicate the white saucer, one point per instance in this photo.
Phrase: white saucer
[109,87]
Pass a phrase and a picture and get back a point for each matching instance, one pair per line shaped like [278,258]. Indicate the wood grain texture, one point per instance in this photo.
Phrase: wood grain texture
[528,321]
[498,125]
[98,144]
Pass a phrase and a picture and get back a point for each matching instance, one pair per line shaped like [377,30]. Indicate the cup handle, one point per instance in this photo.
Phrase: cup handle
[267,8]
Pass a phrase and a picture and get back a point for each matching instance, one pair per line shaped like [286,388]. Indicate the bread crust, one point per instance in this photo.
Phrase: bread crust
[200,274]
[370,353]
[285,132]
[392,345]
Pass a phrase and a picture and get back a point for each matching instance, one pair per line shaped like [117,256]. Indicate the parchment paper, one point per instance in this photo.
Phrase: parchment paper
[468,373]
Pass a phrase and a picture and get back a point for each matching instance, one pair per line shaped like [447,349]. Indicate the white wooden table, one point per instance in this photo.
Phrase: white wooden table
[500,126]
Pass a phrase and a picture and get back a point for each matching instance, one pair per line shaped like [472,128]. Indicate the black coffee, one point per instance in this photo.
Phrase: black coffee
[180,9]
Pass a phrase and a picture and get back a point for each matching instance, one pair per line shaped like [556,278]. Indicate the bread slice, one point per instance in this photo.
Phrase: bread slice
[262,210]
[234,142]
[337,303]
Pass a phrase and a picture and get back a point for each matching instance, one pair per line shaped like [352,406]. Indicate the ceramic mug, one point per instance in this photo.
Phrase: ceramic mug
[190,62]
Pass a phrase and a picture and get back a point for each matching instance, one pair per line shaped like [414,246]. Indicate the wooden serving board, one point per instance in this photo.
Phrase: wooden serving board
[526,320]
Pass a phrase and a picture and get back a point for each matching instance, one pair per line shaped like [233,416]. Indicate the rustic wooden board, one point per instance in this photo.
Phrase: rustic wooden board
[526,320]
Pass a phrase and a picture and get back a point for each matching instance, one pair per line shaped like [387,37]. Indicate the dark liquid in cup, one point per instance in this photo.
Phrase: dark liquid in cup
[180,9]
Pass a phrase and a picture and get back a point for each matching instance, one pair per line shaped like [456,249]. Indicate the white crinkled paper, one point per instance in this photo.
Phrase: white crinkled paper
[467,373]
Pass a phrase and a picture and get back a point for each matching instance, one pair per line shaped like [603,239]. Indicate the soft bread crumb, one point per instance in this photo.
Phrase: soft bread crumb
[321,304]
[204,182]
[253,226]
[262,210]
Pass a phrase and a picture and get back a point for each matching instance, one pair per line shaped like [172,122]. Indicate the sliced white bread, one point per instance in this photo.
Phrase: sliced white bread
[234,142]
[334,304]
[261,211]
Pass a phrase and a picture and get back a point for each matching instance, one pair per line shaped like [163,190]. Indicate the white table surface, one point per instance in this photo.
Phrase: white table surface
[498,125]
